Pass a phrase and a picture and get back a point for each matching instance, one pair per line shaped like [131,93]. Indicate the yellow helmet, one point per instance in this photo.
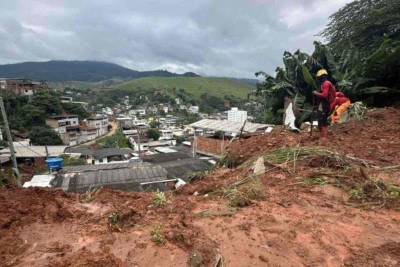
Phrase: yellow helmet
[321,72]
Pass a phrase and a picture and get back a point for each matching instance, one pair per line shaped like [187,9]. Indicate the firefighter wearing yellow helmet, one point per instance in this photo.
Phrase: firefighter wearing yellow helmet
[327,100]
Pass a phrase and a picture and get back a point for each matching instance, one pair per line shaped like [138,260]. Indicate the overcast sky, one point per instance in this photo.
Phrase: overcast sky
[232,38]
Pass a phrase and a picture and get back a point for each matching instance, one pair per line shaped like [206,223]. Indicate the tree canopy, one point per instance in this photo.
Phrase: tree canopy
[41,136]
[76,109]
[153,133]
[364,24]
[362,59]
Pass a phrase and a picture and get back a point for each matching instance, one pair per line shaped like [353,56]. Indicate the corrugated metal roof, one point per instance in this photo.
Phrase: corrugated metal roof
[181,168]
[36,151]
[113,151]
[81,150]
[116,176]
[227,126]
[83,168]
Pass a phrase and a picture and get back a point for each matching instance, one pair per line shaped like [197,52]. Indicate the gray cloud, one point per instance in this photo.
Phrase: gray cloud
[211,37]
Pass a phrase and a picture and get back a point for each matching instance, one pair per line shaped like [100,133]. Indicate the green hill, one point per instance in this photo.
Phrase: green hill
[84,71]
[193,86]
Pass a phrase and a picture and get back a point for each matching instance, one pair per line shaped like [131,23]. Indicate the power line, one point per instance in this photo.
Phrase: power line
[29,149]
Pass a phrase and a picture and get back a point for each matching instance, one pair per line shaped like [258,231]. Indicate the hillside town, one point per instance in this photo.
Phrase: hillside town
[152,135]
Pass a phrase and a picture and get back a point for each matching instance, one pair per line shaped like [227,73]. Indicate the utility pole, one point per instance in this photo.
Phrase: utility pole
[194,144]
[47,152]
[138,139]
[10,142]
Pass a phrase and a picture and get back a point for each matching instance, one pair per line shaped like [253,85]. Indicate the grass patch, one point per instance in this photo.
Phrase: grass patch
[316,181]
[90,195]
[157,233]
[195,176]
[255,190]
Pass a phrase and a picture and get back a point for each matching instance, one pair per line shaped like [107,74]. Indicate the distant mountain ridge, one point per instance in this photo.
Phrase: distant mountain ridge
[86,71]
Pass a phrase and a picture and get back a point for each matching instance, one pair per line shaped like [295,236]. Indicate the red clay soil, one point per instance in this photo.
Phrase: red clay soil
[376,138]
[211,145]
[292,223]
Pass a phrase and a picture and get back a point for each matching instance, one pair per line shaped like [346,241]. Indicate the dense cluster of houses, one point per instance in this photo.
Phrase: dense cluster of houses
[148,164]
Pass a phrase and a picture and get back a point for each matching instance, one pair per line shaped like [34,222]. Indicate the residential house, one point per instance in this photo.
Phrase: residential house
[170,120]
[60,123]
[139,143]
[22,86]
[69,130]
[193,109]
[67,127]
[100,123]
[86,133]
[166,134]
[112,155]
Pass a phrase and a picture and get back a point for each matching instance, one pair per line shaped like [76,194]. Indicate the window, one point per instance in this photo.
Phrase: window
[100,160]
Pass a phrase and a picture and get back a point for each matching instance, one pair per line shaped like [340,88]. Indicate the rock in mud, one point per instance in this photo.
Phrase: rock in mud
[259,167]
[195,259]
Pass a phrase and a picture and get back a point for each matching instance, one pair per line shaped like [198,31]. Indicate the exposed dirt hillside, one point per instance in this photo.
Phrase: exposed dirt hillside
[311,203]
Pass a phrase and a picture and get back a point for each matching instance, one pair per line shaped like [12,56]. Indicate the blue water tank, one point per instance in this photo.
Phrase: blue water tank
[54,164]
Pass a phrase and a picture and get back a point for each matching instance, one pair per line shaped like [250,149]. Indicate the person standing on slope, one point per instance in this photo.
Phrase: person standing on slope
[327,102]
[343,104]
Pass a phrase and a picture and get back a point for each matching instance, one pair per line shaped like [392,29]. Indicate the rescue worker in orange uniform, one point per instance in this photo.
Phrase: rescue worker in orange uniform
[343,103]
[327,102]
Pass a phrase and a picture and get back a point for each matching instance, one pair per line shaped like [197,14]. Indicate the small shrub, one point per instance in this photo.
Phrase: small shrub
[90,195]
[159,198]
[357,193]
[114,217]
[156,234]
[236,198]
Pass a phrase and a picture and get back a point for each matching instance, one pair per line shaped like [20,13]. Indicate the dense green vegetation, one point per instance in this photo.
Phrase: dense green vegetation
[89,71]
[194,86]
[72,161]
[118,139]
[153,133]
[41,136]
[364,68]
[76,109]
[29,114]
[210,94]
[24,113]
